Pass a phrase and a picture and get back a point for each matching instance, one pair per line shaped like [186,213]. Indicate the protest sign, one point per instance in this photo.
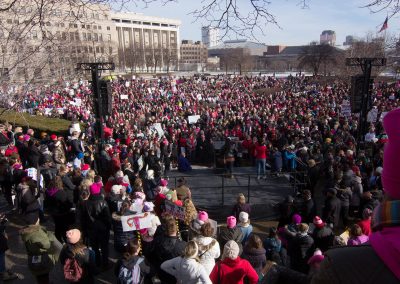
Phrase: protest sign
[136,222]
[372,115]
[174,210]
[124,97]
[193,119]
[346,109]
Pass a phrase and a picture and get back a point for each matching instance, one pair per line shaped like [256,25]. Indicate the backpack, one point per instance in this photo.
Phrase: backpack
[131,276]
[72,270]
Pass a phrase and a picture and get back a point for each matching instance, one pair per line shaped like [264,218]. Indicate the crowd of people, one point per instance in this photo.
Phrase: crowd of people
[88,192]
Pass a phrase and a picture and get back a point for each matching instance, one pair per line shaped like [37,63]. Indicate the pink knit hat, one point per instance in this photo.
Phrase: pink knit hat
[73,236]
[95,188]
[390,175]
[202,216]
[318,257]
[163,182]
[231,222]
[296,219]
[318,222]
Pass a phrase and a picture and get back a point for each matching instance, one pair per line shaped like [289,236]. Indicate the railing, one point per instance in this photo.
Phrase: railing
[294,181]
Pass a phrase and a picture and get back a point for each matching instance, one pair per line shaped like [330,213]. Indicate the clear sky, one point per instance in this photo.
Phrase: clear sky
[297,26]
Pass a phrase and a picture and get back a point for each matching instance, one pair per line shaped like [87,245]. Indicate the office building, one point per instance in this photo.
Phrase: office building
[328,37]
[210,36]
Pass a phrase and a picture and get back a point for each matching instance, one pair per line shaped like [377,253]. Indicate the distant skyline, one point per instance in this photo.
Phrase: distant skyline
[297,26]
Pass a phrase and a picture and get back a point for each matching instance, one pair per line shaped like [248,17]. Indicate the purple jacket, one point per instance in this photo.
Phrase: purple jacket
[357,240]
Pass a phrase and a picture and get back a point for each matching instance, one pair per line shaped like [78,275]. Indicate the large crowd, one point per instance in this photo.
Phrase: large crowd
[164,124]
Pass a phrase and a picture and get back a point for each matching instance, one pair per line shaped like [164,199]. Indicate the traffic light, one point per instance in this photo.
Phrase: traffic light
[106,97]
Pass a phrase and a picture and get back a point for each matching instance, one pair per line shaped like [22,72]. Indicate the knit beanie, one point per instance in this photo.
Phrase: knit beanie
[231,250]
[318,222]
[390,174]
[95,188]
[202,216]
[296,219]
[231,222]
[73,236]
[163,182]
[243,217]
[318,257]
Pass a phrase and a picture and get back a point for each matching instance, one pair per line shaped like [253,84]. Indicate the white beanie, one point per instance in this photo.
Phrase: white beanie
[116,189]
[231,250]
[243,217]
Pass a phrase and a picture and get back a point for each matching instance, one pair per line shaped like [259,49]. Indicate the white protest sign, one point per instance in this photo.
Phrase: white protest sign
[136,222]
[199,97]
[175,210]
[124,97]
[157,127]
[78,102]
[346,109]
[372,115]
[193,119]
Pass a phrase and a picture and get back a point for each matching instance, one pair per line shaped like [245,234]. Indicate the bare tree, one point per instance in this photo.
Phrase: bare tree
[315,56]
[157,58]
[170,57]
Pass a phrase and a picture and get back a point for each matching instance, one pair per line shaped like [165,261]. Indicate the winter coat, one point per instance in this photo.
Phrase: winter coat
[301,248]
[357,191]
[365,226]
[331,211]
[27,200]
[162,249]
[279,274]
[96,215]
[246,231]
[121,238]
[353,264]
[235,234]
[233,271]
[38,241]
[277,158]
[344,196]
[33,156]
[308,211]
[85,260]
[186,271]
[130,263]
[323,238]
[256,257]
[209,250]
[69,186]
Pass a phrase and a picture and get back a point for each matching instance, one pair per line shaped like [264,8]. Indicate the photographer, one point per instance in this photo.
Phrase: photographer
[5,275]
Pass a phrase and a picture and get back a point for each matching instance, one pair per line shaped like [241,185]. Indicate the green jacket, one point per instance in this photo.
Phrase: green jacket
[39,242]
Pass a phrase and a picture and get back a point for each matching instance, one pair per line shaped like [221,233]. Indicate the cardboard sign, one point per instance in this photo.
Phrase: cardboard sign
[372,115]
[346,109]
[124,97]
[175,210]
[193,119]
[136,222]
[157,127]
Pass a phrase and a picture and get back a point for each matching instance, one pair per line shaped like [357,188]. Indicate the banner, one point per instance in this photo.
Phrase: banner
[175,210]
[124,97]
[193,119]
[136,222]
[372,115]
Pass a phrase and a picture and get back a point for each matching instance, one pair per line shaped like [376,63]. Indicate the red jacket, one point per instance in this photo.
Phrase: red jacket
[261,152]
[233,272]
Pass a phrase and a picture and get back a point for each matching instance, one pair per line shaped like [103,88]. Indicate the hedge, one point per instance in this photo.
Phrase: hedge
[37,123]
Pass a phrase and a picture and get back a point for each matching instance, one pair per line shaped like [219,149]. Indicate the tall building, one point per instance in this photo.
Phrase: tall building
[49,45]
[328,37]
[144,41]
[210,36]
[350,40]
[193,56]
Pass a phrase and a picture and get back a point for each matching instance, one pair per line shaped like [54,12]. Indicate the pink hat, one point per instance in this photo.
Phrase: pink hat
[27,137]
[85,167]
[73,236]
[318,222]
[202,216]
[231,222]
[95,188]
[163,182]
[318,257]
[296,219]
[390,175]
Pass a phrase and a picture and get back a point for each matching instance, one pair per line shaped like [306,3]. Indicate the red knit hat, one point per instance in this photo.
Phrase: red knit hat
[318,222]
[53,137]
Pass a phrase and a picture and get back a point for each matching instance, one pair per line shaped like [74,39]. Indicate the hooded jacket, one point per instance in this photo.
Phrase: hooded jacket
[121,238]
[234,234]
[130,262]
[209,250]
[256,257]
[233,271]
[186,270]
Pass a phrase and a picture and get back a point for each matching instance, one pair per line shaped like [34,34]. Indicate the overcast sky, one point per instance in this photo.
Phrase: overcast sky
[298,26]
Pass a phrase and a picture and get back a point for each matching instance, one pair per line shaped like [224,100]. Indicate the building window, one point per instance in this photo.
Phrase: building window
[95,37]
[48,24]
[75,26]
[100,37]
[108,28]
[83,26]
[108,37]
[110,50]
[90,49]
[102,49]
[89,36]
[84,36]
[97,49]
[62,25]
[94,27]
[99,27]
[9,21]
[88,27]
[77,36]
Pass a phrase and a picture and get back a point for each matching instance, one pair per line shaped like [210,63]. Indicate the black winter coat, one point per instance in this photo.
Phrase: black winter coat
[331,211]
[323,238]
[301,248]
[121,238]
[234,234]
[96,215]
